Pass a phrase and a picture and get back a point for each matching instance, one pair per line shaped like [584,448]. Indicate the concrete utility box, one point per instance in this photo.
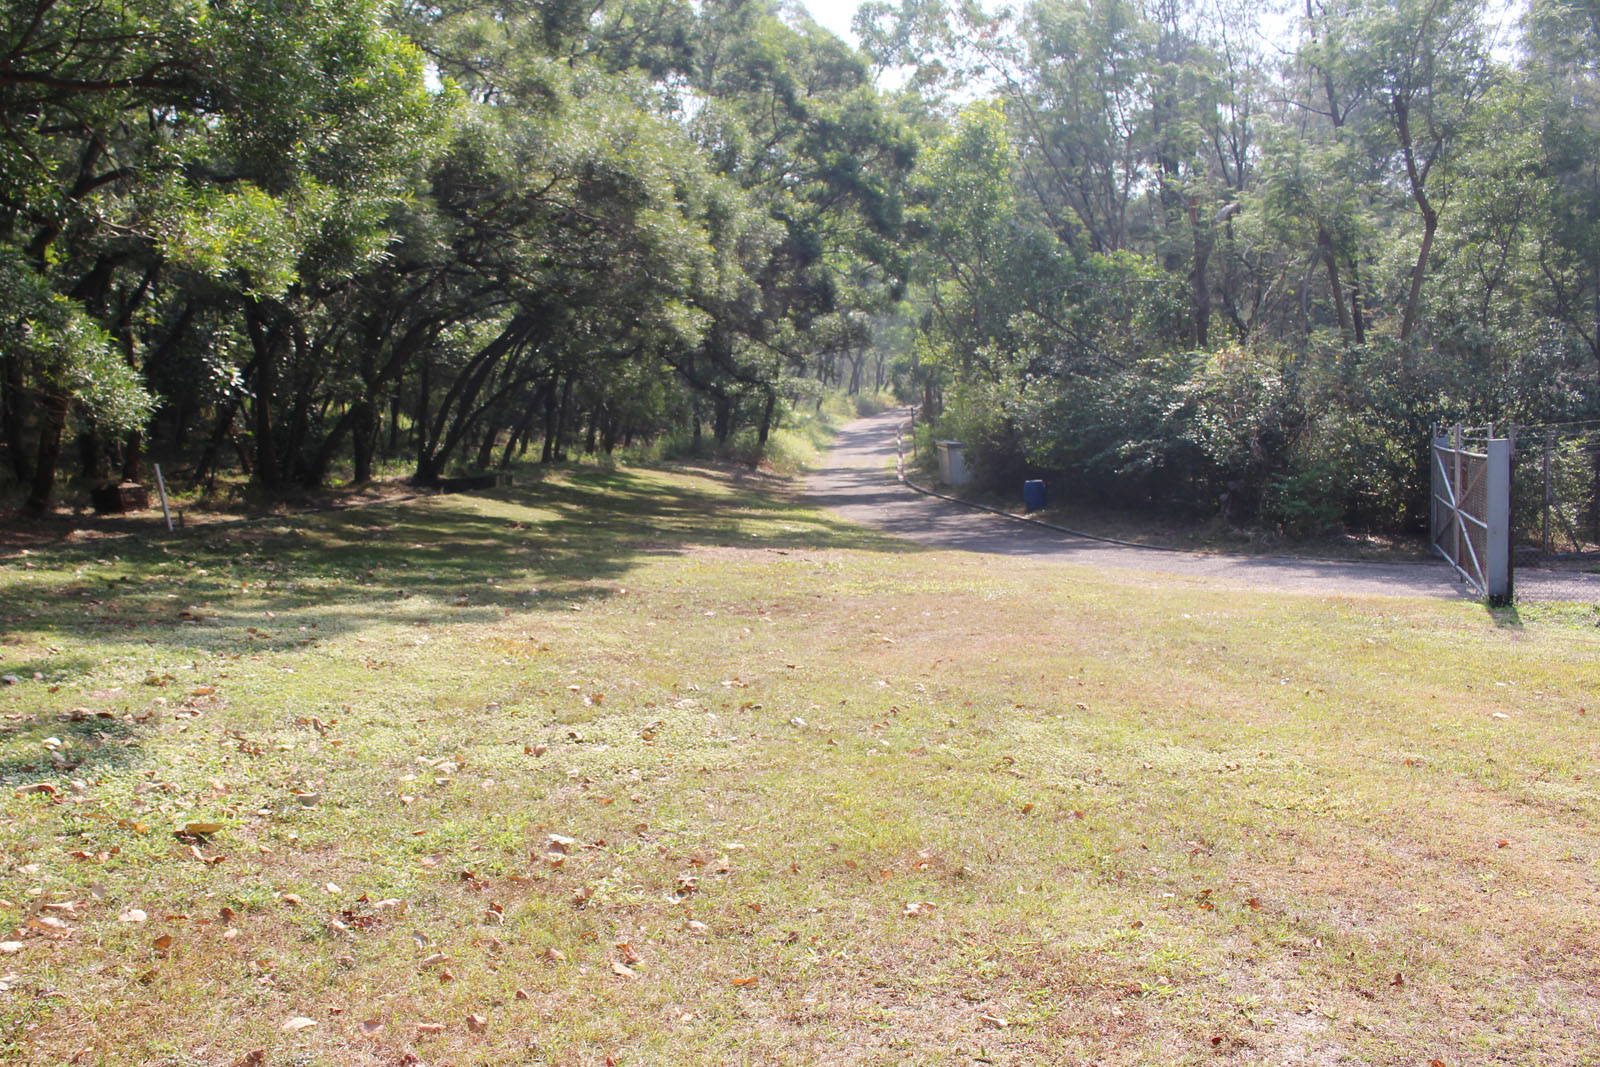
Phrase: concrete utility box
[120,498]
[952,462]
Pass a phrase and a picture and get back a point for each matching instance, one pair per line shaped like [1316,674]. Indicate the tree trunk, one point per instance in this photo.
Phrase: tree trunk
[363,441]
[264,339]
[91,456]
[491,434]
[1430,223]
[1418,179]
[1335,289]
[419,429]
[230,410]
[1358,317]
[766,416]
[132,456]
[563,418]
[54,421]
[608,433]
[394,424]
[14,413]
[1198,284]
[518,443]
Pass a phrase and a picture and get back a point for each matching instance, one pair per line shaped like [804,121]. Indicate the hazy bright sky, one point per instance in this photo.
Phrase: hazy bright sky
[834,14]
[1277,28]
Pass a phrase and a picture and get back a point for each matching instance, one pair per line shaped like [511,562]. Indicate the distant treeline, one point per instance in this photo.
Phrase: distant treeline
[1213,255]
[1147,248]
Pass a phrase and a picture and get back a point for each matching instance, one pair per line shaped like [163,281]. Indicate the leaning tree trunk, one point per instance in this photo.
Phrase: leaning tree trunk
[1417,177]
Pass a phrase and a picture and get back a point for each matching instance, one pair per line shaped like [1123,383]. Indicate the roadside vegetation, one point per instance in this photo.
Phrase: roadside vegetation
[1211,259]
[645,766]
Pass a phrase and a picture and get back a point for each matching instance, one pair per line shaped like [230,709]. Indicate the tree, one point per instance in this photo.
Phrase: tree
[228,149]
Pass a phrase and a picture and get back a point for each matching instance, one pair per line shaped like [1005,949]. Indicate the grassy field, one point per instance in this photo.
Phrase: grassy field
[650,767]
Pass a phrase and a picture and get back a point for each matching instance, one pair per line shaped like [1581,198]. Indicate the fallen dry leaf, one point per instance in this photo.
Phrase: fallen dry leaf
[622,970]
[477,1023]
[371,1026]
[133,915]
[430,1028]
[298,1023]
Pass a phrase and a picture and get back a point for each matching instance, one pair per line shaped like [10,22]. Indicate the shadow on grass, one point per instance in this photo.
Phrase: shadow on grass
[1505,616]
[86,747]
[52,670]
[567,537]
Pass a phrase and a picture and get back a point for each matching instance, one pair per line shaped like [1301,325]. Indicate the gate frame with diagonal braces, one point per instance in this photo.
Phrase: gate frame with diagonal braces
[1471,523]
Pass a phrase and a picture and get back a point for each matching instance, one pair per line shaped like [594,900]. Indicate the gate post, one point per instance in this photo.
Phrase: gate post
[1497,505]
[1456,493]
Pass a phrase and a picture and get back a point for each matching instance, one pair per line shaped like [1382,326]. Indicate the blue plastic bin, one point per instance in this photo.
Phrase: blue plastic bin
[1032,495]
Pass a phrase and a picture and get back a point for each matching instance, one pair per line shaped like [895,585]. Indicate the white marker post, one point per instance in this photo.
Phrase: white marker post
[161,487]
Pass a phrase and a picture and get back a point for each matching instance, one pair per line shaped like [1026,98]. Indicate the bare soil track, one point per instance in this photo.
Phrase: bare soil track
[857,483]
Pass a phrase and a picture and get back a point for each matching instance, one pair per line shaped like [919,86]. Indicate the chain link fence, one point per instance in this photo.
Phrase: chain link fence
[1555,513]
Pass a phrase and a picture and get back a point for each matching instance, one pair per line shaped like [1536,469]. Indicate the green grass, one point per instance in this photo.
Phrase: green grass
[1158,822]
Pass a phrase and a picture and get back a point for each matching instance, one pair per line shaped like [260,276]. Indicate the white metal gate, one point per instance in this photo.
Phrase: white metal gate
[1471,525]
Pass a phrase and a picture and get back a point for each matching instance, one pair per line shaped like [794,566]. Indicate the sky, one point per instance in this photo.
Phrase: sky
[834,14]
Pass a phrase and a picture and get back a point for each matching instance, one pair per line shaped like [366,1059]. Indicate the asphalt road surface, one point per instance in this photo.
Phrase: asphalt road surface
[857,482]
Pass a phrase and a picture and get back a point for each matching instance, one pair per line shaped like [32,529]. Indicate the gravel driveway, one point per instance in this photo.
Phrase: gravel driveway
[857,482]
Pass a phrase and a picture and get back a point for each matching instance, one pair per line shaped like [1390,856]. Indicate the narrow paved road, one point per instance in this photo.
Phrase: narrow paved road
[857,482]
